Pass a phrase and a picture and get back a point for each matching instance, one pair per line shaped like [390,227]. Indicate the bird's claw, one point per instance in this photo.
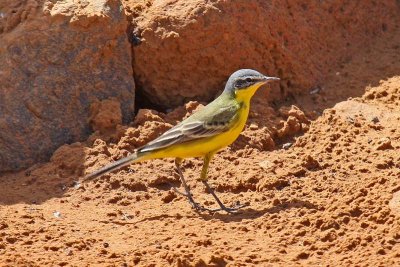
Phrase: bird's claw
[232,209]
[197,206]
[179,192]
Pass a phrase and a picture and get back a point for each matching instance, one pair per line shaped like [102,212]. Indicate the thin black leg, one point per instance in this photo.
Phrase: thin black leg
[221,205]
[188,194]
[203,178]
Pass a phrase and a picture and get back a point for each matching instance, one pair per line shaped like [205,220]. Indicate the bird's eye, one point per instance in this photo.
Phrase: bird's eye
[248,80]
[239,84]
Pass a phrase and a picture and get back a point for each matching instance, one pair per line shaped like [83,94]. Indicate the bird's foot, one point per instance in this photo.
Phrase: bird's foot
[232,209]
[196,206]
[179,192]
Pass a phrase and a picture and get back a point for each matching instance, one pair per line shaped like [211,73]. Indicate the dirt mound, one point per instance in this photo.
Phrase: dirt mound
[56,58]
[187,49]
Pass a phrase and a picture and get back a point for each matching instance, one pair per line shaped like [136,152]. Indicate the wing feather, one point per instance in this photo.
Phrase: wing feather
[190,129]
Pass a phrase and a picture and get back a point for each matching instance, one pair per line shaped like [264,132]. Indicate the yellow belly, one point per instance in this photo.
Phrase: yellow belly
[201,147]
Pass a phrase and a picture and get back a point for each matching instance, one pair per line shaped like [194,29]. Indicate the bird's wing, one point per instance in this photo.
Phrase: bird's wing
[195,127]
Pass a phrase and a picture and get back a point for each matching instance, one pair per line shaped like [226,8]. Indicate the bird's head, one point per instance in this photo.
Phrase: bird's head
[245,82]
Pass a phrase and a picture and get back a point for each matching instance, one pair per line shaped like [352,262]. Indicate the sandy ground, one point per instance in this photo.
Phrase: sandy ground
[332,198]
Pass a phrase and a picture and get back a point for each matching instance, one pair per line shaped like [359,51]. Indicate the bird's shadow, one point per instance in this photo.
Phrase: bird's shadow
[244,214]
[250,213]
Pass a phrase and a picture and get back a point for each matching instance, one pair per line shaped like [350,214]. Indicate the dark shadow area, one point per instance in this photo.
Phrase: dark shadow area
[249,213]
[35,187]
[243,214]
[143,101]
[146,220]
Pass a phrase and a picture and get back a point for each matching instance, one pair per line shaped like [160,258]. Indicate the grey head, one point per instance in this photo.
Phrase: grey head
[244,78]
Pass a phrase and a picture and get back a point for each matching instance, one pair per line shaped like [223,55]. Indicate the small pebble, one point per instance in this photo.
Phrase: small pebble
[77,185]
[287,145]
[350,119]
[57,214]
[68,252]
[266,165]
[375,120]
[253,127]
[126,216]
[315,90]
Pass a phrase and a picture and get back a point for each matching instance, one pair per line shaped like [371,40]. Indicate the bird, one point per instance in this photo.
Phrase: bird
[203,134]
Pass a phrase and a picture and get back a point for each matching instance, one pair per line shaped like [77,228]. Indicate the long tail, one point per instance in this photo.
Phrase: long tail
[115,165]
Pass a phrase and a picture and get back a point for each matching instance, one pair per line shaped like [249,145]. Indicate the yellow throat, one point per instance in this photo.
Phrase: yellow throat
[244,95]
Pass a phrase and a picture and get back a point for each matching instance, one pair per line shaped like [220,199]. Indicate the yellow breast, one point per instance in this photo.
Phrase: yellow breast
[201,147]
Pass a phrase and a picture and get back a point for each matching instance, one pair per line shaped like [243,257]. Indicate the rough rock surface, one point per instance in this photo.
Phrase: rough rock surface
[105,115]
[56,58]
[331,199]
[187,49]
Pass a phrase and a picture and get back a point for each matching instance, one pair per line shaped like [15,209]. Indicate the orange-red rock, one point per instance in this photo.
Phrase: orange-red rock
[189,48]
[56,58]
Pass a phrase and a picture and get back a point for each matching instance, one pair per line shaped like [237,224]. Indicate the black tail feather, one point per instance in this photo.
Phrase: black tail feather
[113,166]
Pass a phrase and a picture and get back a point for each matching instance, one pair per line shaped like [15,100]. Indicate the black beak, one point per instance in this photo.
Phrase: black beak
[271,79]
[266,79]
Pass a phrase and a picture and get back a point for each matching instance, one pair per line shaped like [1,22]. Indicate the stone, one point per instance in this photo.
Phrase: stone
[56,59]
[188,49]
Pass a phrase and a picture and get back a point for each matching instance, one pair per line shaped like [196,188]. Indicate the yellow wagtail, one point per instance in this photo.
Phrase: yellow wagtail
[205,132]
